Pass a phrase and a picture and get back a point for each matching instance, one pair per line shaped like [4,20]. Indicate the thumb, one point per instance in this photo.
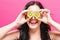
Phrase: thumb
[40,19]
[27,20]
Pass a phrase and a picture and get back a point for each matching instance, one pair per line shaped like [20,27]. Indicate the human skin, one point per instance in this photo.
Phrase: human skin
[34,30]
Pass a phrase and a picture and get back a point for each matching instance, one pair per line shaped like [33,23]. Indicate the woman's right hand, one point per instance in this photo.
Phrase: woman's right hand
[19,21]
[21,18]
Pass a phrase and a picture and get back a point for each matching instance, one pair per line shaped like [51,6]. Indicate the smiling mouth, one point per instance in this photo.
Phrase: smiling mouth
[33,21]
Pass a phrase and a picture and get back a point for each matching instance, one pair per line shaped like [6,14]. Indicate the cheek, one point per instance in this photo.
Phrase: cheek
[38,22]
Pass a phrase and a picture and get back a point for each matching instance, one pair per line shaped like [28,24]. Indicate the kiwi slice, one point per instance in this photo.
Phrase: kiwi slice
[29,14]
[37,15]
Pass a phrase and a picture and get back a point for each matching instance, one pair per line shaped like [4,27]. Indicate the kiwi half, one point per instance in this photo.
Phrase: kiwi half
[35,14]
[29,14]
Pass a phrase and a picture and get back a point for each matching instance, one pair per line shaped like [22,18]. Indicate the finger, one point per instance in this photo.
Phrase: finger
[24,12]
[47,10]
[40,19]
[27,20]
[21,14]
[43,20]
[40,10]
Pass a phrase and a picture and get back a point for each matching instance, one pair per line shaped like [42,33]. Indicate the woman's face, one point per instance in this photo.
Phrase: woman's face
[33,22]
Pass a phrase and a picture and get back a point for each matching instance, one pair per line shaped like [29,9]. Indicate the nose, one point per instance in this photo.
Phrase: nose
[33,17]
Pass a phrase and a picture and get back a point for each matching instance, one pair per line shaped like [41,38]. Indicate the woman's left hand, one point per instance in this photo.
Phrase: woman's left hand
[46,18]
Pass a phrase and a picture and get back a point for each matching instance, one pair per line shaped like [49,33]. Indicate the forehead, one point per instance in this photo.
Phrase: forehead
[34,8]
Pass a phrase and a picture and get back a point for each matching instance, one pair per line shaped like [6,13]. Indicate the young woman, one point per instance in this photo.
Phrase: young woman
[31,28]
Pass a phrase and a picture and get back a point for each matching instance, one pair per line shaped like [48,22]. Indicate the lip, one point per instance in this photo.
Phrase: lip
[33,21]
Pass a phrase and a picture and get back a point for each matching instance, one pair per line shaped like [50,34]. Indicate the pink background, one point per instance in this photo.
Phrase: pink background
[9,10]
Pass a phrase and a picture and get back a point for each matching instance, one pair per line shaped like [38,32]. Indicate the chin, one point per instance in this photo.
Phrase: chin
[33,26]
